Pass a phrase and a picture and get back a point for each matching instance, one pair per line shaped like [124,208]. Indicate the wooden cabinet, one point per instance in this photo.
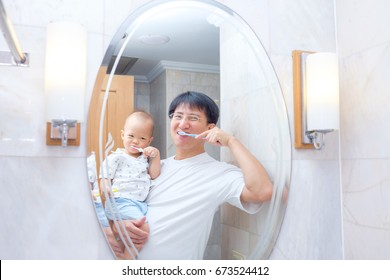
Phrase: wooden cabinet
[120,103]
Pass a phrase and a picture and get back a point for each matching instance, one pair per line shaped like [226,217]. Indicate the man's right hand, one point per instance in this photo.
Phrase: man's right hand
[137,235]
[133,228]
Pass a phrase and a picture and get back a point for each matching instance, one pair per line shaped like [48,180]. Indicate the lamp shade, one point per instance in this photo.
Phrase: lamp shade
[322,91]
[65,71]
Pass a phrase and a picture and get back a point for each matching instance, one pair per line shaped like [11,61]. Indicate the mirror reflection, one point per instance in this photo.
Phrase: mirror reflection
[211,198]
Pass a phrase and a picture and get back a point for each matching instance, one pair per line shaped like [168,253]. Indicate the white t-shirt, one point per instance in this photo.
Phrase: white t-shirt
[129,175]
[182,203]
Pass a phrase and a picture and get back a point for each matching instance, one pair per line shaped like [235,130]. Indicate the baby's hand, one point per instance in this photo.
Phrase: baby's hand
[151,152]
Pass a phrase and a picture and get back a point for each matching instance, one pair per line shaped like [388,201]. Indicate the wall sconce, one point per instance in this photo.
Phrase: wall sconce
[65,79]
[316,97]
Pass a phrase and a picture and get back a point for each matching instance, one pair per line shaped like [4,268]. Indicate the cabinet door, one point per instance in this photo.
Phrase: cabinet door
[120,104]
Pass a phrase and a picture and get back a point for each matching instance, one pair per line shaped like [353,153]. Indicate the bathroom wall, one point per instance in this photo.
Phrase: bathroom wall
[142,96]
[158,101]
[45,206]
[312,227]
[364,40]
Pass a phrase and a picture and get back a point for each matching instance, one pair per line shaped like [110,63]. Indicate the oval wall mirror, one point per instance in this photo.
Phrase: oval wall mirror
[167,47]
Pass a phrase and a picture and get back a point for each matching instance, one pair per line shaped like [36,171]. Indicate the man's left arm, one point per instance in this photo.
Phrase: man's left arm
[258,186]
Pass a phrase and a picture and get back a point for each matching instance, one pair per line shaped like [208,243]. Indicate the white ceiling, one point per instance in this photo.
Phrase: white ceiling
[192,40]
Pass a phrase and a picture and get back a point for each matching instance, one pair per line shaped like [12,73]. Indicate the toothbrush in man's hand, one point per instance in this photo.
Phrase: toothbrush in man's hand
[182,133]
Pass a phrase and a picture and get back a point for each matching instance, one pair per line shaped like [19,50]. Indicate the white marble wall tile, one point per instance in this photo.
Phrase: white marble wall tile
[234,239]
[158,92]
[365,55]
[114,17]
[182,78]
[40,12]
[96,50]
[257,16]
[238,50]
[142,96]
[282,64]
[366,243]
[207,80]
[366,208]
[364,104]
[361,25]
[305,25]
[47,214]
[312,225]
[22,102]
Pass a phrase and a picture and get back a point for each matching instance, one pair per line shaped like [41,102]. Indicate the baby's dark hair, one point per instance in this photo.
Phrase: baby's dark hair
[143,115]
[198,101]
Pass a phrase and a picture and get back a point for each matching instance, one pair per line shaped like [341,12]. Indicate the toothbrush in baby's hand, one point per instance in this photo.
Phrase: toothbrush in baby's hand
[138,149]
[152,155]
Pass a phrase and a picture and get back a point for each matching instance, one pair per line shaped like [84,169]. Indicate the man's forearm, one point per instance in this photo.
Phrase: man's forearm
[257,182]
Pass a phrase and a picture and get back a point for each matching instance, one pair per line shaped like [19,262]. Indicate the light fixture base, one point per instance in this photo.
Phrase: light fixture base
[316,137]
[6,59]
[63,133]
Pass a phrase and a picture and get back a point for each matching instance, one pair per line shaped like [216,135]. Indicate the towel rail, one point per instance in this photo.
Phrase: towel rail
[19,58]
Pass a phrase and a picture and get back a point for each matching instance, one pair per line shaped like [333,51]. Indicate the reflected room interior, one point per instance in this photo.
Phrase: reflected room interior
[169,47]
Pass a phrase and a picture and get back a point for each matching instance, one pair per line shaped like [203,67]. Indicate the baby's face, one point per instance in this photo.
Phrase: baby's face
[136,133]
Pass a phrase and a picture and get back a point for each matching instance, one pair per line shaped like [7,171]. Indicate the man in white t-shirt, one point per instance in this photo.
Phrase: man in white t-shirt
[192,185]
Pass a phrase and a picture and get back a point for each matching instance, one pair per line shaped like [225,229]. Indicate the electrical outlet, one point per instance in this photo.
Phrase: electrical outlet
[237,255]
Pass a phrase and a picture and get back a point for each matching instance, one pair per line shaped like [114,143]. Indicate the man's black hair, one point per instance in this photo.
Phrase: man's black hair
[199,101]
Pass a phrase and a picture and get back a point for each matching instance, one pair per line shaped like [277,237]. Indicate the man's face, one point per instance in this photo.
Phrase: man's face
[189,120]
